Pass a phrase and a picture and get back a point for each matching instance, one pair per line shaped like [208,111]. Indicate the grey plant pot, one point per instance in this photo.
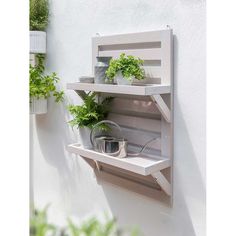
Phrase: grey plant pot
[100,70]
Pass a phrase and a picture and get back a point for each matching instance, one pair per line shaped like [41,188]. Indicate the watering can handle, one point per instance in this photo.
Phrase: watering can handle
[101,122]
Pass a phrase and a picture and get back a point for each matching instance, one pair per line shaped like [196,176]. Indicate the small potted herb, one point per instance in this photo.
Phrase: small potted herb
[87,115]
[125,69]
[42,87]
[39,14]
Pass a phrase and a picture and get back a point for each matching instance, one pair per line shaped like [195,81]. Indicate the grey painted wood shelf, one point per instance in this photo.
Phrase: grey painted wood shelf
[143,90]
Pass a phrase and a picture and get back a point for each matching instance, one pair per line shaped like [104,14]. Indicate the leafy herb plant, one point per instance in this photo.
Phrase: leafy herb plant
[90,113]
[128,65]
[41,85]
[94,227]
[39,225]
[39,14]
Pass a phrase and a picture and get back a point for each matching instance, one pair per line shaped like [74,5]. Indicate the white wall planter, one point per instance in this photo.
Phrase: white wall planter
[85,137]
[38,106]
[120,80]
[37,42]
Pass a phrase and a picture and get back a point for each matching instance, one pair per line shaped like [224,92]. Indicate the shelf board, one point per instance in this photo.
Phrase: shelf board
[142,164]
[145,90]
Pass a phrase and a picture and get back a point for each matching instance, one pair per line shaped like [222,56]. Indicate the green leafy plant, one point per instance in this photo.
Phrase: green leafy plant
[90,113]
[39,225]
[128,65]
[94,227]
[41,85]
[39,14]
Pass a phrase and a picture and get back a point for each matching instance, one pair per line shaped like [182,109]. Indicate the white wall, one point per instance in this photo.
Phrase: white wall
[66,181]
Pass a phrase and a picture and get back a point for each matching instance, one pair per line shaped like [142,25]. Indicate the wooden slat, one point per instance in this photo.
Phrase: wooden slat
[123,105]
[139,137]
[167,56]
[146,124]
[149,36]
[144,54]
[153,71]
[130,46]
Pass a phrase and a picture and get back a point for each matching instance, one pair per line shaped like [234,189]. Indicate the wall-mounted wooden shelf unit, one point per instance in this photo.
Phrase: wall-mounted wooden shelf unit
[136,116]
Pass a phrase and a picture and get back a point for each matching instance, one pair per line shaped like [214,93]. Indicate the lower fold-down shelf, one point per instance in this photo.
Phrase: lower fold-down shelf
[143,165]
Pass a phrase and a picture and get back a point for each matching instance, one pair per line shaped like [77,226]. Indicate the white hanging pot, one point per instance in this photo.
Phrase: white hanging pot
[120,80]
[37,42]
[38,106]
[85,137]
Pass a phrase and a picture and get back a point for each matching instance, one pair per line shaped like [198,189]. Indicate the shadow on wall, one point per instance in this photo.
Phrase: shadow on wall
[54,135]
[189,190]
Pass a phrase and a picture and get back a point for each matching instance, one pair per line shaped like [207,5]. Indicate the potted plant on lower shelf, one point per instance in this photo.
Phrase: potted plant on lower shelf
[125,69]
[88,114]
[39,14]
[42,86]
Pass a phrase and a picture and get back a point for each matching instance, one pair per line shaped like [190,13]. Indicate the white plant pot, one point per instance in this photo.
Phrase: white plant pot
[85,137]
[120,80]
[37,42]
[38,106]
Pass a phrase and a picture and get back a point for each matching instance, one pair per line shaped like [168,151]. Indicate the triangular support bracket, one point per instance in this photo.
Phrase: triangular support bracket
[163,108]
[163,182]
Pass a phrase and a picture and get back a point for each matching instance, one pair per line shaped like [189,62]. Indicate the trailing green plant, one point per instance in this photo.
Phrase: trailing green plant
[41,85]
[90,112]
[39,14]
[128,65]
[39,225]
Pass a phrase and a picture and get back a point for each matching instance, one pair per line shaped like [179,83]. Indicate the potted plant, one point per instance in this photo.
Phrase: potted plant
[39,14]
[89,114]
[125,69]
[42,87]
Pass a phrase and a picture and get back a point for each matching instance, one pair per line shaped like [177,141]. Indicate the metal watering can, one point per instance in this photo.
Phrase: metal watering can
[109,145]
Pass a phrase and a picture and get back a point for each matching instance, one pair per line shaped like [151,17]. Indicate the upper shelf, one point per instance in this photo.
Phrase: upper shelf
[142,164]
[145,90]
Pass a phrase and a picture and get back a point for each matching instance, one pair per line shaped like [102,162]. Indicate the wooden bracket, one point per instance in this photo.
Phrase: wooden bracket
[163,108]
[82,94]
[163,182]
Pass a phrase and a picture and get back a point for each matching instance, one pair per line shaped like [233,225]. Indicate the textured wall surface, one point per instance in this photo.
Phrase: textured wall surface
[66,181]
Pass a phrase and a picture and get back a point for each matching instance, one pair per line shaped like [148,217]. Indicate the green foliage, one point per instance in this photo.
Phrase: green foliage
[39,14]
[93,227]
[90,113]
[39,225]
[128,65]
[41,85]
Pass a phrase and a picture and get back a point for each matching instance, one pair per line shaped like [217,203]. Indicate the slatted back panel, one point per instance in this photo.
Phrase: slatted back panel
[138,116]
[153,47]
